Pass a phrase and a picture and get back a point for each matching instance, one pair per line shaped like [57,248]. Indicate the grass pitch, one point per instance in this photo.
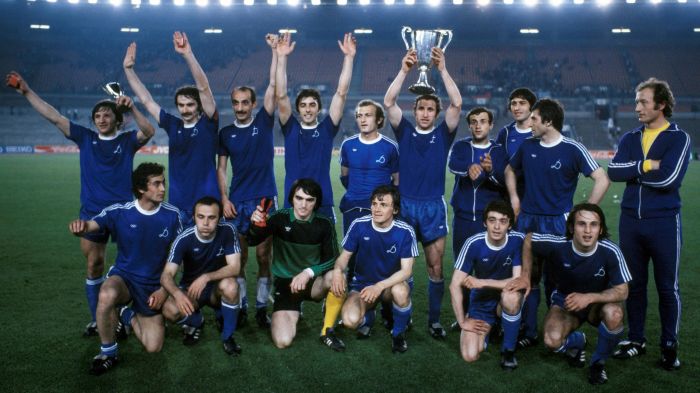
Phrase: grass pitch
[43,311]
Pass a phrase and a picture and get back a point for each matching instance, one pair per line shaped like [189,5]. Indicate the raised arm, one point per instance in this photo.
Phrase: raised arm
[601,182]
[136,85]
[15,81]
[146,130]
[183,47]
[393,112]
[349,48]
[269,100]
[284,47]
[453,111]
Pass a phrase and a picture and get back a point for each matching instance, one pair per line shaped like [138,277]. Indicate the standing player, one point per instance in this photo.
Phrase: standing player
[385,249]
[305,247]
[248,142]
[494,257]
[550,164]
[367,160]
[652,160]
[477,180]
[424,149]
[308,144]
[193,136]
[210,257]
[520,103]
[106,162]
[590,277]
[143,230]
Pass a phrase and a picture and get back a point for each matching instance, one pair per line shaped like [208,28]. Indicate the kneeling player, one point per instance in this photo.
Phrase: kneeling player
[143,230]
[211,258]
[304,249]
[385,250]
[590,276]
[494,257]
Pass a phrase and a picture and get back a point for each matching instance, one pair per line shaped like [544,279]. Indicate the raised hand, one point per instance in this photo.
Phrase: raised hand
[14,80]
[130,57]
[272,40]
[409,60]
[181,43]
[285,46]
[349,45]
[438,58]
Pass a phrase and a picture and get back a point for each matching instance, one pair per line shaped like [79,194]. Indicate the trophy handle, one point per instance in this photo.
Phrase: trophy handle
[405,30]
[449,38]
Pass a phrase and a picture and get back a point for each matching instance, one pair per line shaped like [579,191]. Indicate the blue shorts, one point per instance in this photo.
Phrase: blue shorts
[245,209]
[205,297]
[557,299]
[550,225]
[139,291]
[484,308]
[428,218]
[101,236]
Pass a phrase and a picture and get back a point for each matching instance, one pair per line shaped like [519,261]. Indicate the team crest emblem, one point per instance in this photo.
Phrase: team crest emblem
[118,150]
[392,250]
[221,251]
[508,262]
[316,134]
[164,234]
[255,131]
[195,132]
[380,160]
[432,140]
[557,165]
[600,273]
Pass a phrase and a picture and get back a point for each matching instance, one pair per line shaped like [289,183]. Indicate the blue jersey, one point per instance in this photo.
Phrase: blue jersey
[423,159]
[551,174]
[654,193]
[572,271]
[191,159]
[307,153]
[511,137]
[105,168]
[485,261]
[378,252]
[252,152]
[199,256]
[370,165]
[470,197]
[143,237]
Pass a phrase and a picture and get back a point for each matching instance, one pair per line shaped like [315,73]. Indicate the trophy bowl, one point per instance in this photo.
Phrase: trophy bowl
[423,42]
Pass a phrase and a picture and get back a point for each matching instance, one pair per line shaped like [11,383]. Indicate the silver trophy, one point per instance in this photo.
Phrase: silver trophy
[113,89]
[423,41]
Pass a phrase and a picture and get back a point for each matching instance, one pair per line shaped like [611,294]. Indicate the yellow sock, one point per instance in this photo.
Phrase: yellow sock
[333,306]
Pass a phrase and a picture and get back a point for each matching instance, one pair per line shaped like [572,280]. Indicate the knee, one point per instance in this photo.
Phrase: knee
[553,340]
[229,289]
[470,355]
[351,318]
[153,347]
[282,341]
[510,301]
[613,316]
[108,296]
[401,294]
[170,311]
